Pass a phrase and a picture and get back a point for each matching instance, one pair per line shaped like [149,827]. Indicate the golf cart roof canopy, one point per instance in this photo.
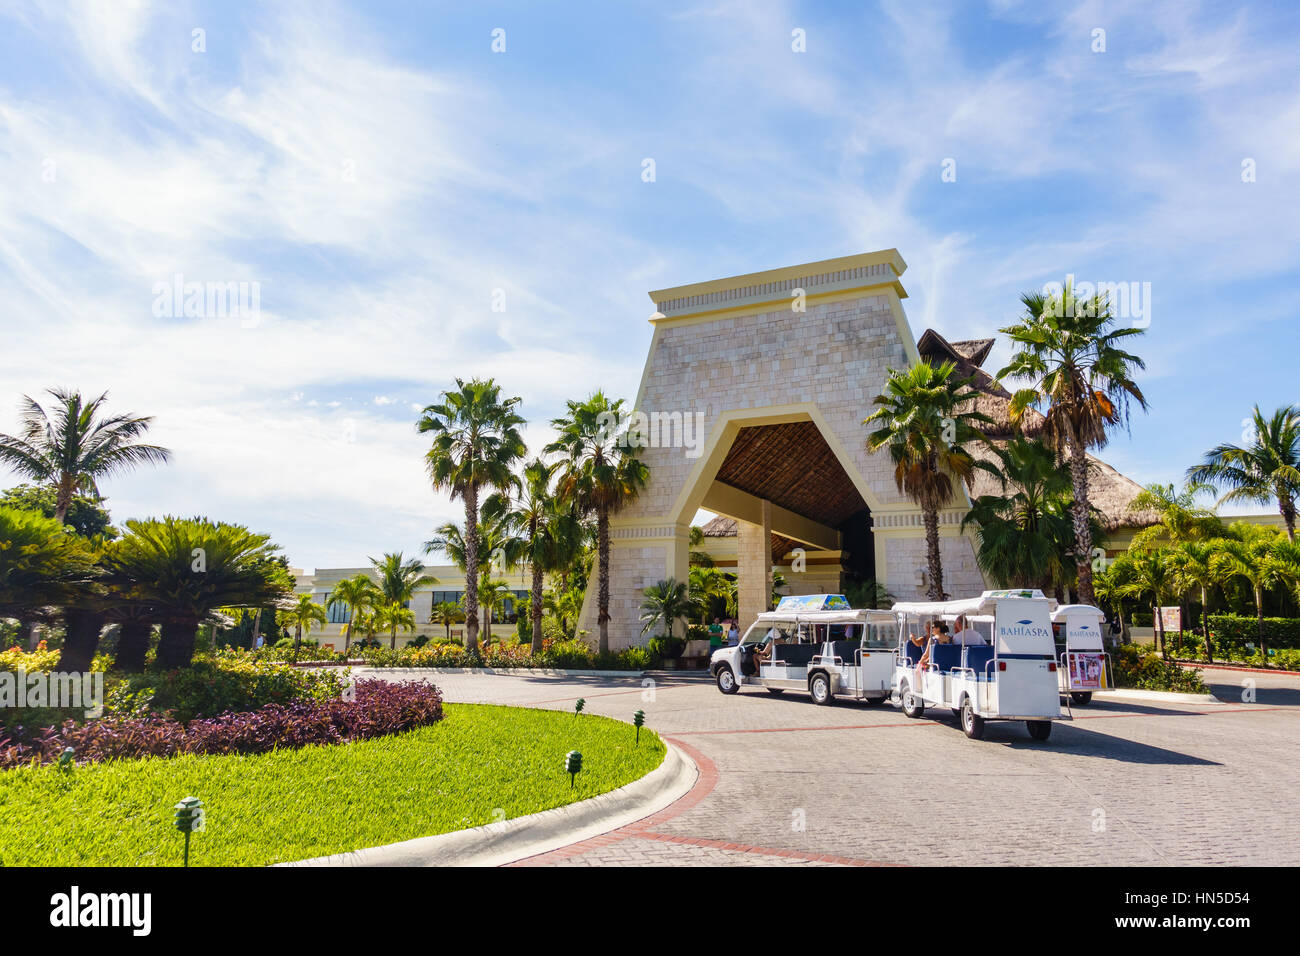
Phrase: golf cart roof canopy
[1066,610]
[850,616]
[985,602]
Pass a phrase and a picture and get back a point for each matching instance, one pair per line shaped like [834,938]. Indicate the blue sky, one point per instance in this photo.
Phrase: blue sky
[378,170]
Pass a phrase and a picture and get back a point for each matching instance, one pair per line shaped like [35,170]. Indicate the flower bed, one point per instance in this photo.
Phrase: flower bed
[1149,671]
[378,708]
[559,655]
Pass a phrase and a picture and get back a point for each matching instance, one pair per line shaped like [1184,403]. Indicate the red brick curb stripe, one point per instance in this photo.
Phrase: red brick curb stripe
[640,830]
[1201,665]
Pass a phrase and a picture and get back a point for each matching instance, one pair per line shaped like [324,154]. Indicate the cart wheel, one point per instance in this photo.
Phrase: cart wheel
[913,706]
[1039,729]
[727,680]
[1081,699]
[971,722]
[776,691]
[819,686]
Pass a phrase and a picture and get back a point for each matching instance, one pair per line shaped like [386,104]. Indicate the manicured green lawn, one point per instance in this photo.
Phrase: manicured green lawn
[295,804]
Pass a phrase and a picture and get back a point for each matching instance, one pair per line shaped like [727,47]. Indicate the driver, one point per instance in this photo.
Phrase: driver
[763,650]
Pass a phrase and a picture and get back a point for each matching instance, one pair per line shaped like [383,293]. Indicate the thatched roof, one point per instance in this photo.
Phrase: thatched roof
[1108,490]
[723,527]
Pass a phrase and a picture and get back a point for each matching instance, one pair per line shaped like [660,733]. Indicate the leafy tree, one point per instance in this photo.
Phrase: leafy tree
[398,579]
[74,446]
[600,475]
[447,613]
[41,567]
[1068,350]
[1181,518]
[302,617]
[1196,567]
[476,442]
[184,568]
[393,616]
[1265,468]
[925,424]
[360,596]
[1256,562]
[1151,571]
[665,602]
[85,516]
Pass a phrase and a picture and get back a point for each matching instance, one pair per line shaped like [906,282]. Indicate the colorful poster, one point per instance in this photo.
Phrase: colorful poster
[1171,619]
[1086,671]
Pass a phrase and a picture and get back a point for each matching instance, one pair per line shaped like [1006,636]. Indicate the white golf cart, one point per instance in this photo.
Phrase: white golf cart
[815,643]
[1011,676]
[1083,664]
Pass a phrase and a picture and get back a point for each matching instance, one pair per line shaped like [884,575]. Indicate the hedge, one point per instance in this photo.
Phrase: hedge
[1237,630]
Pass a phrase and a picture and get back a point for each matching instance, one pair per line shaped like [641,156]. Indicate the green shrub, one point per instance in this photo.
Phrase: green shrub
[1143,670]
[697,632]
[665,647]
[1235,631]
[230,681]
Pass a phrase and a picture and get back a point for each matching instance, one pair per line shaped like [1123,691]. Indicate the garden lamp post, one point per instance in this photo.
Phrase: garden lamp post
[189,819]
[637,720]
[572,765]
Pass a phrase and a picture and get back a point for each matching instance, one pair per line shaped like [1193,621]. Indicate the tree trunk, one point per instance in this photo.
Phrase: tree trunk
[1079,517]
[1159,627]
[257,632]
[392,639]
[176,643]
[1259,619]
[132,646]
[535,608]
[63,499]
[1182,623]
[33,635]
[347,634]
[1286,505]
[81,639]
[1205,625]
[602,555]
[933,559]
[471,567]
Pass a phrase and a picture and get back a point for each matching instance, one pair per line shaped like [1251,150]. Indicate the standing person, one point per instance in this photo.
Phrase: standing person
[733,634]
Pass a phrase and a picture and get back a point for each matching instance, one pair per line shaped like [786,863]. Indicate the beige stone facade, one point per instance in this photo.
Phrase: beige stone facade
[810,343]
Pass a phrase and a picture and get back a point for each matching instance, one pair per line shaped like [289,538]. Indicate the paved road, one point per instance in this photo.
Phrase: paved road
[786,782]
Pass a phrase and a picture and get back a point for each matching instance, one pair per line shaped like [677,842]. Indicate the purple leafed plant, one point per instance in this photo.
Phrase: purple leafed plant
[379,708]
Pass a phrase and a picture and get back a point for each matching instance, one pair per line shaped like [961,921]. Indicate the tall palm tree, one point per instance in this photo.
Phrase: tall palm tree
[600,475]
[499,548]
[543,527]
[492,595]
[1025,534]
[1197,568]
[446,613]
[1266,468]
[926,423]
[185,568]
[476,441]
[398,578]
[1254,561]
[1068,350]
[360,596]
[302,616]
[665,602]
[1150,571]
[73,446]
[708,585]
[1181,518]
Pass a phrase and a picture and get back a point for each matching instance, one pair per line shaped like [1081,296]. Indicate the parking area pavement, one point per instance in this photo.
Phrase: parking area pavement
[783,781]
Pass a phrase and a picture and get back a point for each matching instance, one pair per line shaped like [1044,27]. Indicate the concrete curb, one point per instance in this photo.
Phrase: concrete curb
[1201,665]
[497,844]
[497,671]
[1167,696]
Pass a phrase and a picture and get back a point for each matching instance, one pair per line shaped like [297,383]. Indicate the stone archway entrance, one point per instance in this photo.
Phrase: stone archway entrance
[778,369]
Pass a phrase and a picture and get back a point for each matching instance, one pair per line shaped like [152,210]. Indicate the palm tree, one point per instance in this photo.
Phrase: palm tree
[499,548]
[1026,537]
[1181,518]
[1150,571]
[601,474]
[697,556]
[186,567]
[476,442]
[925,422]
[709,585]
[398,579]
[543,528]
[359,595]
[1268,467]
[667,602]
[1196,567]
[302,616]
[1255,562]
[77,446]
[446,613]
[1110,586]
[393,615]
[41,566]
[1069,352]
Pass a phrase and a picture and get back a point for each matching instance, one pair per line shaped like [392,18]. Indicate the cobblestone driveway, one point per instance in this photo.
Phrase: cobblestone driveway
[784,781]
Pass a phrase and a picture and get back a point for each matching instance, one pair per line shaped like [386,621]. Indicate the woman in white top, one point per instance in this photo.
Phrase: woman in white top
[963,633]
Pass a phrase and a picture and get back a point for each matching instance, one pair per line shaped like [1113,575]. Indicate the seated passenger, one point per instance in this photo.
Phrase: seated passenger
[939,632]
[965,634]
[763,651]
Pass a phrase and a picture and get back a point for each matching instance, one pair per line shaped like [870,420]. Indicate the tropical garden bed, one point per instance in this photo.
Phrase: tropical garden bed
[477,765]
